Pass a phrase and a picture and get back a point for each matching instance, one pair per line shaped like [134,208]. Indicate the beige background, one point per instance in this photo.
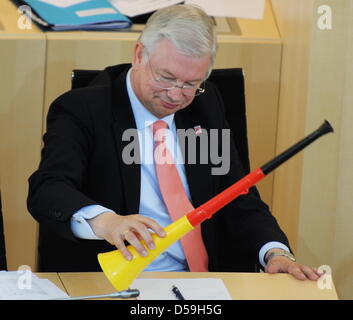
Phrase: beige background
[296,76]
[314,191]
[22,78]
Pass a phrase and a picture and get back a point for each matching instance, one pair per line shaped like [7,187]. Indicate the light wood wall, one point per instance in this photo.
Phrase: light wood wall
[22,72]
[313,193]
[294,20]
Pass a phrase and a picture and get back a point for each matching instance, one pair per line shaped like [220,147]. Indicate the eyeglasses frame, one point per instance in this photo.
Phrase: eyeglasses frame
[174,85]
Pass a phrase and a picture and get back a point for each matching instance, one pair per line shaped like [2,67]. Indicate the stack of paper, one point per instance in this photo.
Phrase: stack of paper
[24,285]
[77,14]
[247,9]
[133,8]
[191,289]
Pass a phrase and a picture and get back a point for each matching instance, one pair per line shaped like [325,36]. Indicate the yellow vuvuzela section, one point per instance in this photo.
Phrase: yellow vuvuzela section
[121,272]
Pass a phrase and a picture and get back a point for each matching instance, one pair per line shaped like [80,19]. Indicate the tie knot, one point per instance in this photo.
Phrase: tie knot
[159,130]
[159,124]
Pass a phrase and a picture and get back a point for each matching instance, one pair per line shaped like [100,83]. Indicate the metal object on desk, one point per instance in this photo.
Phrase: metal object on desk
[125,294]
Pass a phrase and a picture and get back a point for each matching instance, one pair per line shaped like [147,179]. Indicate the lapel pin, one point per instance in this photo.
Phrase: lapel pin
[198,129]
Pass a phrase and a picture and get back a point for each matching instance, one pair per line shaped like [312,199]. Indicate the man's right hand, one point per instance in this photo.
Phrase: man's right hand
[115,229]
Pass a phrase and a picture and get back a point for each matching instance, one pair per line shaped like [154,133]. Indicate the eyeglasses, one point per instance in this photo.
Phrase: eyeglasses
[170,84]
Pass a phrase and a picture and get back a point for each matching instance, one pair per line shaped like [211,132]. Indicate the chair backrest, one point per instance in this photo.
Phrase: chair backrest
[230,83]
[3,265]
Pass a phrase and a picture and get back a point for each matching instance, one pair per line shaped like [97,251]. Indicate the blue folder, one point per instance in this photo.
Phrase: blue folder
[79,14]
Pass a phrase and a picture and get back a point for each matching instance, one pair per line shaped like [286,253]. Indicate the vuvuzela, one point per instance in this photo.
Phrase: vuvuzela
[121,272]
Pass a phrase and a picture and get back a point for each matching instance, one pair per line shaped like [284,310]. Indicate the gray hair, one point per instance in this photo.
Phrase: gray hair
[188,27]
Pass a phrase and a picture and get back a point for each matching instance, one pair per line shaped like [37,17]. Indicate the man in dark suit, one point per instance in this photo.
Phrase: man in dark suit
[90,197]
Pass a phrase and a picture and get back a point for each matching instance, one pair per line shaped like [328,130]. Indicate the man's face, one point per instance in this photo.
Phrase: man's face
[165,61]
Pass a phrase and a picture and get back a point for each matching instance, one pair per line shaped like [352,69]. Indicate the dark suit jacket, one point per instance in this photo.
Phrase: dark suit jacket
[82,165]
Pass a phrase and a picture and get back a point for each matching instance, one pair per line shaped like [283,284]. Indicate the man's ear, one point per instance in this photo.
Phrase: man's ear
[138,54]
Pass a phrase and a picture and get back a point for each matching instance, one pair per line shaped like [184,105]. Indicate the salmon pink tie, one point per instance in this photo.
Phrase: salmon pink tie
[175,198]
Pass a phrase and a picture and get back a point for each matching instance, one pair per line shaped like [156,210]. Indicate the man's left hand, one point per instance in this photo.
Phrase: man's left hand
[281,264]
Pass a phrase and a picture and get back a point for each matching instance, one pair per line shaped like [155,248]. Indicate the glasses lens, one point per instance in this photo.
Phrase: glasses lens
[190,91]
[170,85]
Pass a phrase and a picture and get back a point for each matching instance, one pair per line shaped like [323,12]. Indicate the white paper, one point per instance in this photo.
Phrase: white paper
[24,285]
[95,12]
[63,3]
[132,8]
[248,9]
[191,289]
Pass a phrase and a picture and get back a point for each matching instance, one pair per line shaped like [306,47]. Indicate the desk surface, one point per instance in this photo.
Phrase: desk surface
[53,277]
[241,286]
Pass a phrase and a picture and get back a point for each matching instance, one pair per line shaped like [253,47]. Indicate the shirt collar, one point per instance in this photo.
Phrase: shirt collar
[143,117]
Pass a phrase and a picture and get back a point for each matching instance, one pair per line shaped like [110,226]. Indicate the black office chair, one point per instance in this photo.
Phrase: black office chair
[3,264]
[230,83]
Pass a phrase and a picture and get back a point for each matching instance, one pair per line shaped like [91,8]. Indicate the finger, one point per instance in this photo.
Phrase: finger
[135,242]
[272,268]
[310,273]
[319,273]
[277,265]
[143,234]
[297,272]
[119,243]
[153,225]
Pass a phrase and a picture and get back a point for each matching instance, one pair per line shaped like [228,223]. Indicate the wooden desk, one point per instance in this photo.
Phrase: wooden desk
[241,286]
[53,277]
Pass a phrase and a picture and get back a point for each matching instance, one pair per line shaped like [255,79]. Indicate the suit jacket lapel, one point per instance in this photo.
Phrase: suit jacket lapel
[198,175]
[124,120]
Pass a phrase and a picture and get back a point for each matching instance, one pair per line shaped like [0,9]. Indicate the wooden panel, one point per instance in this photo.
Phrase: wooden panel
[326,212]
[294,20]
[22,61]
[313,193]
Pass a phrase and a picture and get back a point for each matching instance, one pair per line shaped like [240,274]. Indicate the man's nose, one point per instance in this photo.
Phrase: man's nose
[175,94]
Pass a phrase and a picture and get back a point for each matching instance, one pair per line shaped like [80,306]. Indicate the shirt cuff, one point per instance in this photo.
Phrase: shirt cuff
[269,246]
[79,225]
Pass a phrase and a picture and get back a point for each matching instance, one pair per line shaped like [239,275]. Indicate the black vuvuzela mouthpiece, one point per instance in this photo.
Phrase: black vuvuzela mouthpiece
[284,156]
